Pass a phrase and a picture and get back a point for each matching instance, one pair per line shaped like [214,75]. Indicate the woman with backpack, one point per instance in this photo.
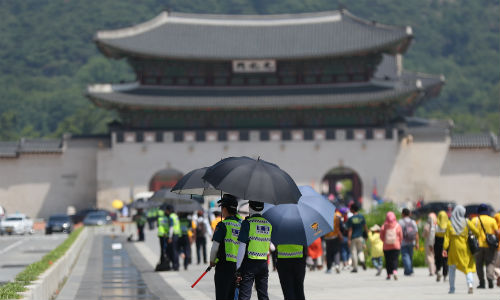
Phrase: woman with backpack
[391,235]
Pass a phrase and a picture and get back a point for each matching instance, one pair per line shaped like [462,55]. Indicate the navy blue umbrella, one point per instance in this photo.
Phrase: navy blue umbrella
[251,179]
[301,223]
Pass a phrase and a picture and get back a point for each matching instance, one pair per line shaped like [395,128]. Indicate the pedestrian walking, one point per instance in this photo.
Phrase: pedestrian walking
[201,231]
[333,241]
[345,253]
[485,257]
[376,248]
[440,260]
[255,239]
[184,245]
[497,260]
[223,254]
[456,248]
[314,255]
[429,234]
[357,228]
[173,234]
[140,221]
[410,241]
[392,235]
[291,266]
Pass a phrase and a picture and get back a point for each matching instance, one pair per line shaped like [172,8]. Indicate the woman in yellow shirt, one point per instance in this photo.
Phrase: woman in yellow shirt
[442,224]
[456,247]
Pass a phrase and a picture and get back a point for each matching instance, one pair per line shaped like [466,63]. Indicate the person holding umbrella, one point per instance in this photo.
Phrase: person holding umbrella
[255,240]
[295,227]
[225,248]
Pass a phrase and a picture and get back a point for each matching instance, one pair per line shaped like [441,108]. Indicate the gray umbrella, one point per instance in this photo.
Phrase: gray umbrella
[301,223]
[181,203]
[251,179]
[193,183]
[142,204]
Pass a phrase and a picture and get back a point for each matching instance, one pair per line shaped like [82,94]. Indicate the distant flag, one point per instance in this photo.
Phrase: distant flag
[375,195]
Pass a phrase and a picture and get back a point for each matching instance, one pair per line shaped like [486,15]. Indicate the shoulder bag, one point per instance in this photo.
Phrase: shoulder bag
[491,239]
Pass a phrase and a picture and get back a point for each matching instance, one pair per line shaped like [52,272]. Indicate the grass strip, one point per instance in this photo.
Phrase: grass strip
[11,290]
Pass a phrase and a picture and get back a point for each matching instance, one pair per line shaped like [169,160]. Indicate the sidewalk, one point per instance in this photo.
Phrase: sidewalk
[128,273]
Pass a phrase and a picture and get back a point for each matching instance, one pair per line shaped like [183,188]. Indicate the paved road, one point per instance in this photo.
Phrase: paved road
[127,273]
[16,252]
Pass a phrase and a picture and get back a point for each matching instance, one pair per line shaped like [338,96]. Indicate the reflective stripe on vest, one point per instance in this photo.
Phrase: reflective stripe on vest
[231,243]
[162,226]
[290,251]
[260,237]
[176,224]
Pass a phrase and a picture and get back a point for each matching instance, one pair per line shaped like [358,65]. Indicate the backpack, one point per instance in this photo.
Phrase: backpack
[200,229]
[390,236]
[409,232]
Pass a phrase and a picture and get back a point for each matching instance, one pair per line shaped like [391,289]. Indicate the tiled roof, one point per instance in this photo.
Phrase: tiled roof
[474,141]
[227,37]
[14,149]
[166,97]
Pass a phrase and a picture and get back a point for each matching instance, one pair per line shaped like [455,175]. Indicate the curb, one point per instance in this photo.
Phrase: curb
[49,282]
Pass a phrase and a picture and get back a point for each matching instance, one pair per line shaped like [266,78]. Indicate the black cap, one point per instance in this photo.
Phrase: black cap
[256,205]
[228,201]
[170,207]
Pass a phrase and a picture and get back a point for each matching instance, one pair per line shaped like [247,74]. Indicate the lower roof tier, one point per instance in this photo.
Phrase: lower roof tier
[134,96]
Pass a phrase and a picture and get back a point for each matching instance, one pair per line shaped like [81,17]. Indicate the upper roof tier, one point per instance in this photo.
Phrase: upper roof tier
[226,37]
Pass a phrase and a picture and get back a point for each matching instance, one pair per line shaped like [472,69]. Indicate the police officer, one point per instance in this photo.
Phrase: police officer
[291,265]
[163,228]
[255,239]
[225,248]
[184,242]
[140,221]
[173,234]
[152,215]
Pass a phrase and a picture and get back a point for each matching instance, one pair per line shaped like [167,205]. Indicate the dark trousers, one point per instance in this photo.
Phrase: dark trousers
[439,260]
[185,247]
[254,270]
[151,223]
[292,272]
[163,250]
[391,261]
[225,280]
[485,257]
[172,253]
[201,246]
[140,232]
[333,247]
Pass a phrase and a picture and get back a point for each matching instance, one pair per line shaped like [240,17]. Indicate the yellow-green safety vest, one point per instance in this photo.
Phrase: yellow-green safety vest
[163,226]
[231,243]
[176,224]
[290,251]
[161,213]
[260,237]
[239,217]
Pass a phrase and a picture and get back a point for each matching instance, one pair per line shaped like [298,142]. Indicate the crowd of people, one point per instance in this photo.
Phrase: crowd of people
[447,242]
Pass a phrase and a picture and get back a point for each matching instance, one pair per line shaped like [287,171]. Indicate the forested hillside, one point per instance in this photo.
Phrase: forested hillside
[47,56]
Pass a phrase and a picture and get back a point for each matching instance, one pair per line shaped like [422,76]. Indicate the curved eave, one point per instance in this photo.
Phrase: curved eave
[228,37]
[134,99]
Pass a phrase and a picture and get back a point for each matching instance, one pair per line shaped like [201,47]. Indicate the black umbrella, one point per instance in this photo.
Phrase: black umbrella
[252,179]
[192,183]
[140,204]
[181,203]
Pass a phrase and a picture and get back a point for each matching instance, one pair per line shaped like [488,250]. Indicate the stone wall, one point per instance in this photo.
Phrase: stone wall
[43,184]
[433,171]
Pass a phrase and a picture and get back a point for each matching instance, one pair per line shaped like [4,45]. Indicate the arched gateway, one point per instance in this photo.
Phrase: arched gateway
[345,184]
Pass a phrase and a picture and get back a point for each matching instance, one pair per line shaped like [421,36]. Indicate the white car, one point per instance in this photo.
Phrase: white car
[16,224]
